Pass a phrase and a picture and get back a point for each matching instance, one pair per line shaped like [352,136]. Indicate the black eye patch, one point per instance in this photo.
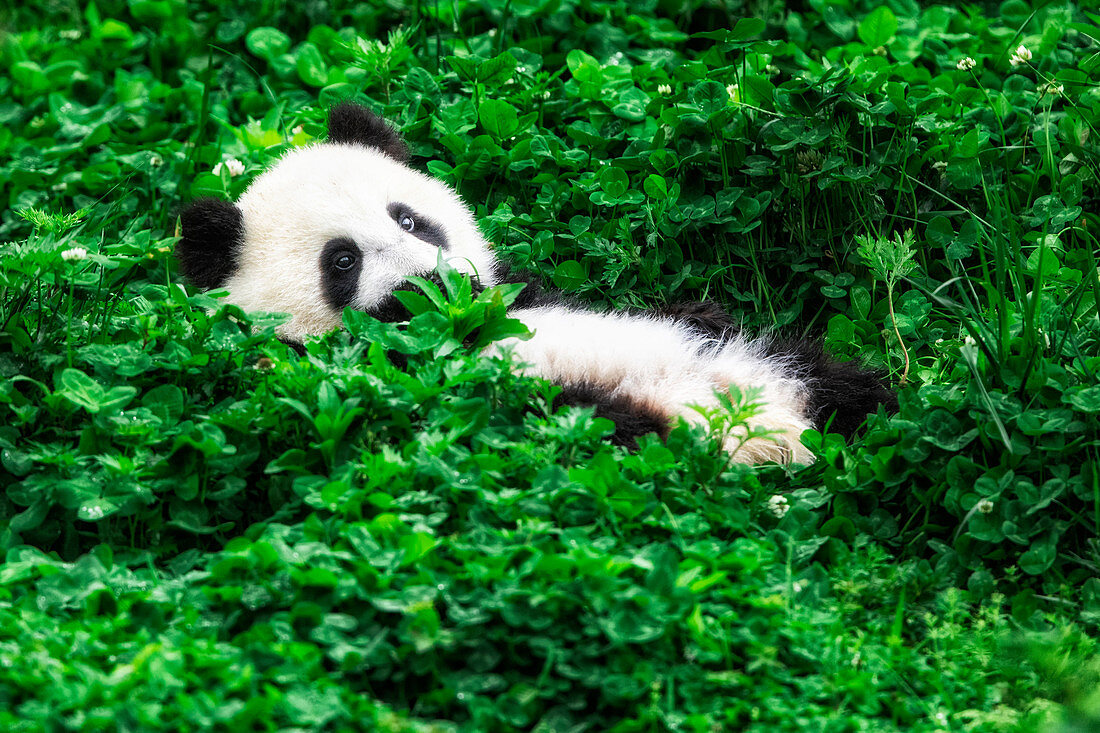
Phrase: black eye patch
[341,262]
[417,225]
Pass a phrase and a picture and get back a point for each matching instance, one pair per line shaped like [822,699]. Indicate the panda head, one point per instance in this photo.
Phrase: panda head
[336,224]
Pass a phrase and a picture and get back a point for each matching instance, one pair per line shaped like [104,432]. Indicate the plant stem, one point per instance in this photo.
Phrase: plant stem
[893,320]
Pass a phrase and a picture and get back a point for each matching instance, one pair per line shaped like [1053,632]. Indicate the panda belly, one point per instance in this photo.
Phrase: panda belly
[636,365]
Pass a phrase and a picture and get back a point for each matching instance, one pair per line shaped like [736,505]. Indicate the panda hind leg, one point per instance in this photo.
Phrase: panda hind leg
[631,419]
[840,393]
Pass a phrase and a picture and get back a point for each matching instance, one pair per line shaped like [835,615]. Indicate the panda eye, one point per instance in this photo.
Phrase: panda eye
[406,222]
[343,262]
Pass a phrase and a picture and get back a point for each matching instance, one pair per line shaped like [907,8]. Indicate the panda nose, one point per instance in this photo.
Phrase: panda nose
[374,245]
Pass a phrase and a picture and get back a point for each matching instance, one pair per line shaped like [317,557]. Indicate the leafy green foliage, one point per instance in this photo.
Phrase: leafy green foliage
[202,529]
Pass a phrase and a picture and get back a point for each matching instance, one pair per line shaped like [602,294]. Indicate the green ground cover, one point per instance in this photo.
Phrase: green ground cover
[203,530]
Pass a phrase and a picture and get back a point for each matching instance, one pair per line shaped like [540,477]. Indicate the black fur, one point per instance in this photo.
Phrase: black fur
[842,390]
[392,310]
[297,346]
[533,294]
[706,317]
[632,421]
[423,228]
[340,286]
[213,234]
[354,124]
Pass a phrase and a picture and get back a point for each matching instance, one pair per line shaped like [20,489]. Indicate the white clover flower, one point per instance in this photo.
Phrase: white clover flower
[778,506]
[969,340]
[492,32]
[1052,88]
[798,586]
[940,165]
[664,89]
[71,34]
[966,64]
[771,69]
[546,94]
[74,254]
[155,160]
[985,506]
[1020,56]
[734,91]
[298,130]
[233,166]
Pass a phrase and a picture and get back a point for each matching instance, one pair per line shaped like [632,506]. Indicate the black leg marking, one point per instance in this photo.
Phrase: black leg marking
[706,317]
[297,346]
[632,421]
[845,391]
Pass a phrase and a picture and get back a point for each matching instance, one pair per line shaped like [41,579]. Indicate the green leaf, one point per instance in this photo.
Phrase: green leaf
[967,146]
[583,66]
[710,97]
[94,510]
[464,66]
[632,105]
[614,181]
[82,390]
[267,42]
[499,118]
[1085,400]
[30,77]
[878,27]
[746,28]
[861,301]
[496,71]
[416,303]
[311,67]
[579,224]
[569,275]
[655,187]
[1040,556]
[117,398]
[431,290]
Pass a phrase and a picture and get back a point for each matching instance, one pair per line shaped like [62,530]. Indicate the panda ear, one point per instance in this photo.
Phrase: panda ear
[354,124]
[213,234]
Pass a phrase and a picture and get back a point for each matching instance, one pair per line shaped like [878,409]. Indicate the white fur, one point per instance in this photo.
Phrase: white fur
[325,191]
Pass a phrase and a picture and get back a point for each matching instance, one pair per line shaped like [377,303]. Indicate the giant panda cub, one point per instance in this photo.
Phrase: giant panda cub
[342,223]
